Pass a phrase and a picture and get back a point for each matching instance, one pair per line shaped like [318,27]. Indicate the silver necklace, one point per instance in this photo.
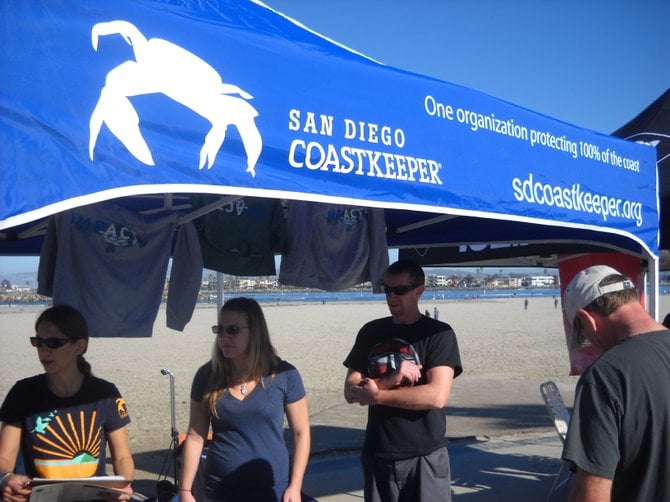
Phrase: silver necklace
[243,389]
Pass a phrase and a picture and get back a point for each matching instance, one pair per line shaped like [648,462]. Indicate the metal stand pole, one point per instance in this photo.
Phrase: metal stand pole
[174,432]
[219,293]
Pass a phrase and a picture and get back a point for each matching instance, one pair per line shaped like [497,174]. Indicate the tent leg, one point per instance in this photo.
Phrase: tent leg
[653,288]
[219,293]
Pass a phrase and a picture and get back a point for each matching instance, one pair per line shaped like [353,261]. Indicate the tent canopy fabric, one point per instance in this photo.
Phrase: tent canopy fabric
[652,126]
[130,98]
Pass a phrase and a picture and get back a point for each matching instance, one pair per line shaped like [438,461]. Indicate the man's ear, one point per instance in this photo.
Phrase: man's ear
[586,319]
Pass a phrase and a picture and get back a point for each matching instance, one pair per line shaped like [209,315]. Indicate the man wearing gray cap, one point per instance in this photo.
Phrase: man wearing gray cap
[619,436]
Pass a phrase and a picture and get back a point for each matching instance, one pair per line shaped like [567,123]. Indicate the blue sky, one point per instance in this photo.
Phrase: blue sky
[592,63]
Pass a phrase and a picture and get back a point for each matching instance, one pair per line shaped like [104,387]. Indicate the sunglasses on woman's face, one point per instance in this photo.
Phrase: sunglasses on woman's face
[51,343]
[231,329]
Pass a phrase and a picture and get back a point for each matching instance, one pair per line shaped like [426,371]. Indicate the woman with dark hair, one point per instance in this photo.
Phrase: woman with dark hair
[244,391]
[62,419]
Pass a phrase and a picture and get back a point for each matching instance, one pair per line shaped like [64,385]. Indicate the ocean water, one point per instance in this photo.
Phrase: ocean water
[358,296]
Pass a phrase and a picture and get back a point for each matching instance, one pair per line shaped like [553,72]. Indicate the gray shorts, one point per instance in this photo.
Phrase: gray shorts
[408,480]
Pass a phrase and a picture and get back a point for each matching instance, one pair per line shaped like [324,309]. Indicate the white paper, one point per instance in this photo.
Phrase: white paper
[74,490]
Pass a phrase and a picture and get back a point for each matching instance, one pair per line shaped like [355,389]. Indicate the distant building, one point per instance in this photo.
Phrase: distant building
[266,284]
[244,283]
[438,281]
[6,286]
[540,281]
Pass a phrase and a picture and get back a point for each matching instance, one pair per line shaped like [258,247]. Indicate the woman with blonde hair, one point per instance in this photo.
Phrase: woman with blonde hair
[244,391]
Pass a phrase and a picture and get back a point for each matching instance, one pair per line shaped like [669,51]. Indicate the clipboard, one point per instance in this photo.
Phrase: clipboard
[75,489]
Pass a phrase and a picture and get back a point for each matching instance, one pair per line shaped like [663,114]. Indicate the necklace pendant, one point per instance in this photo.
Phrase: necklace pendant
[243,389]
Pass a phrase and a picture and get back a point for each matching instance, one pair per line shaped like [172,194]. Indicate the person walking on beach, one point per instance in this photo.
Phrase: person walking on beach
[244,391]
[402,367]
[618,438]
[63,415]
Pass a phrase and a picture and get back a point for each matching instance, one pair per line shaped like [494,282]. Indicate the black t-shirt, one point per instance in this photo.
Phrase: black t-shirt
[379,349]
[64,437]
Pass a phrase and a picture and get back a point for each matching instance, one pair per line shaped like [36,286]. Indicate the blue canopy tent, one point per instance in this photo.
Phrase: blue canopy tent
[149,101]
[650,126]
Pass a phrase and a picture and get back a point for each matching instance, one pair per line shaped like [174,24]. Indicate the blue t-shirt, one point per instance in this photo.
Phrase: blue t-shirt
[248,458]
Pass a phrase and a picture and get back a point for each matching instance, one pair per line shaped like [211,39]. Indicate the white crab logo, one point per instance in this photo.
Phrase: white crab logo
[163,67]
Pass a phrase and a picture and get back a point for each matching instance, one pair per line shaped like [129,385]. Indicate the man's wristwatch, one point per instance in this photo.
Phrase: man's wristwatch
[4,477]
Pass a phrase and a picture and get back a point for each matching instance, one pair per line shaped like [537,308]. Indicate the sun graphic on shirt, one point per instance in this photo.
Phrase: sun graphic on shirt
[68,447]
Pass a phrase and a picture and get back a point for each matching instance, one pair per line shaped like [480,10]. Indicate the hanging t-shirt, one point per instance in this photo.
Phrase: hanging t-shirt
[334,247]
[64,437]
[111,264]
[241,237]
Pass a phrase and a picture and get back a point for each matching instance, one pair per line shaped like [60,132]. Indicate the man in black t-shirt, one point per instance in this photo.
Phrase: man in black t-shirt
[402,367]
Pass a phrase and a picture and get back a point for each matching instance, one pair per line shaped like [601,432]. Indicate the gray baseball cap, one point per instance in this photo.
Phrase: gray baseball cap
[585,287]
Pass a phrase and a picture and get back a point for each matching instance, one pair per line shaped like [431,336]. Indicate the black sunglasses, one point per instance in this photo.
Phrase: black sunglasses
[399,290]
[232,329]
[51,343]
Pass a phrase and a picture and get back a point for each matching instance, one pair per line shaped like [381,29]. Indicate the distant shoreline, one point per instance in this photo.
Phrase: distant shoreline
[299,296]
[23,307]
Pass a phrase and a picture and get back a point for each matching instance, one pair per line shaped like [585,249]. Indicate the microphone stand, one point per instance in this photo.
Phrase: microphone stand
[173,428]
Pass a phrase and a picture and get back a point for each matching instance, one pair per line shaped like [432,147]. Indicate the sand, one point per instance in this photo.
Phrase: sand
[505,350]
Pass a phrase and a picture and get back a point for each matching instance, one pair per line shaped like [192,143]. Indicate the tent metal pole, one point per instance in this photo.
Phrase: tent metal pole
[425,223]
[653,287]
[219,293]
[208,208]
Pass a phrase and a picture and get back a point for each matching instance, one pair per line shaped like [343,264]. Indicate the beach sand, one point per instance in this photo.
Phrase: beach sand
[506,353]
